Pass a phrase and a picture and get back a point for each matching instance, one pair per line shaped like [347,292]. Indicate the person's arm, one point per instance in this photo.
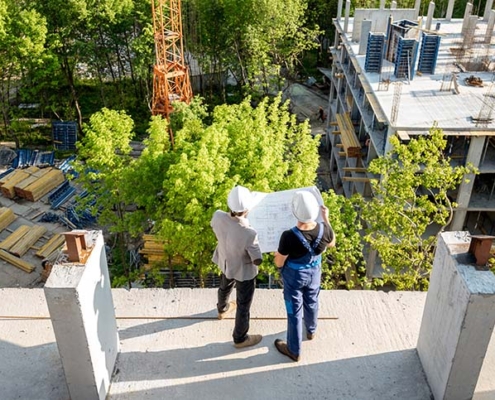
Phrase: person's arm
[280,259]
[254,250]
[324,215]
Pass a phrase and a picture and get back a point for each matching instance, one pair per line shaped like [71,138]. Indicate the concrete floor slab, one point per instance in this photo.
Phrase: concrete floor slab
[172,346]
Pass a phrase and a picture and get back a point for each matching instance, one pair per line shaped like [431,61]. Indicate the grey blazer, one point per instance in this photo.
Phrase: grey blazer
[237,246]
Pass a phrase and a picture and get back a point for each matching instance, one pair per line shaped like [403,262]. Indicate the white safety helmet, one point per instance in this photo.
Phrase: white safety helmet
[239,199]
[305,206]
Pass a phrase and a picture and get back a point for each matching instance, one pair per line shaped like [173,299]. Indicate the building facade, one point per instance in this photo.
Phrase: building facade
[396,73]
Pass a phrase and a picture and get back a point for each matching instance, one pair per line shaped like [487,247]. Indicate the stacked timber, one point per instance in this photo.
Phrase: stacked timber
[53,244]
[348,136]
[154,251]
[14,237]
[26,241]
[44,184]
[19,187]
[16,262]
[8,182]
[7,216]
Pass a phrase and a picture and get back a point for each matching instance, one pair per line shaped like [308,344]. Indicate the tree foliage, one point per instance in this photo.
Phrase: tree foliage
[411,204]
[252,39]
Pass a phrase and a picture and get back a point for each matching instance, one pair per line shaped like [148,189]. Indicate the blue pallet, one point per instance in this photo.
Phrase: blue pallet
[64,135]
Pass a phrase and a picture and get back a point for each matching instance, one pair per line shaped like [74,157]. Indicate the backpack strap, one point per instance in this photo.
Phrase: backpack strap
[310,247]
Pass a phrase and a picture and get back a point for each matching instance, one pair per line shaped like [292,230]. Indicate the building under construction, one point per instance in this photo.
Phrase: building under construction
[395,72]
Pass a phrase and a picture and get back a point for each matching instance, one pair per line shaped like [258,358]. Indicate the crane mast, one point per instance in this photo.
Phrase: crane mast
[170,73]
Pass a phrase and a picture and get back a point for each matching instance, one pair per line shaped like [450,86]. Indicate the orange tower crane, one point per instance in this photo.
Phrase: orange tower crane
[170,73]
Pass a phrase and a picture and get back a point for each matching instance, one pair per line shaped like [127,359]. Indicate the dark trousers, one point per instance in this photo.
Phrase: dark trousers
[244,293]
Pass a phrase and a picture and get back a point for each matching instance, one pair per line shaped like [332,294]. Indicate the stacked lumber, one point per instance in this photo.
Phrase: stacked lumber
[54,243]
[16,262]
[153,250]
[7,216]
[8,183]
[19,187]
[348,136]
[14,237]
[26,241]
[44,184]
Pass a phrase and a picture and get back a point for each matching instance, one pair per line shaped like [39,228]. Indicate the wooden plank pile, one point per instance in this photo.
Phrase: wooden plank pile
[8,182]
[7,216]
[154,250]
[18,243]
[22,185]
[31,183]
[348,136]
[53,244]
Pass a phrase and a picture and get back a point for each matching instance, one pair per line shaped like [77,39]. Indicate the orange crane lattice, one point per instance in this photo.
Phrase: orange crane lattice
[170,74]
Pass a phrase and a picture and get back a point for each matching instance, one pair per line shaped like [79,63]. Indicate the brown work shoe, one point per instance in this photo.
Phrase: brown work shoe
[251,340]
[310,336]
[230,307]
[282,348]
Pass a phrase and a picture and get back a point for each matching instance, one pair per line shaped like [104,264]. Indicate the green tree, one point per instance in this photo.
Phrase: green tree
[410,199]
[104,163]
[346,266]
[252,39]
[22,37]
[263,148]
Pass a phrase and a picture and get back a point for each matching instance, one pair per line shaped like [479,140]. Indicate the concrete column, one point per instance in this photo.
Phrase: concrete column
[489,27]
[339,9]
[347,12]
[382,4]
[417,8]
[363,40]
[467,13]
[488,9]
[474,155]
[458,320]
[429,18]
[450,10]
[81,309]
[393,5]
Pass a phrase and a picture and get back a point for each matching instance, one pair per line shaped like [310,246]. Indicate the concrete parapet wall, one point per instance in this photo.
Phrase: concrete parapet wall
[458,320]
[81,308]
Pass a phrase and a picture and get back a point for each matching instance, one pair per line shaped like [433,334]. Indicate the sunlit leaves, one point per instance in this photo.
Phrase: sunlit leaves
[411,204]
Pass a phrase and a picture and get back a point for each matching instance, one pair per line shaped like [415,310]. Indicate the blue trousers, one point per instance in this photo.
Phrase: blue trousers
[301,291]
[244,298]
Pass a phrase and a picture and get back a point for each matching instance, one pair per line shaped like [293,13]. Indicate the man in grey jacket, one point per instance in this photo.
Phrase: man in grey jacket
[238,255]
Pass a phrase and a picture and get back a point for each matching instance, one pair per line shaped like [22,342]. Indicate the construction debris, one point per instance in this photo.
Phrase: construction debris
[474,81]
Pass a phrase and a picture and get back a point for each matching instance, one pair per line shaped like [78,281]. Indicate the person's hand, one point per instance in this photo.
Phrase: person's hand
[324,213]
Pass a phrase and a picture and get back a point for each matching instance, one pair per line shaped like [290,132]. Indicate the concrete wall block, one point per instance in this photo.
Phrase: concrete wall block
[458,320]
[83,317]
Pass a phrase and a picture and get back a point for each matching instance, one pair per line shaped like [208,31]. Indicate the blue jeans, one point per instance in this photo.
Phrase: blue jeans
[244,298]
[301,291]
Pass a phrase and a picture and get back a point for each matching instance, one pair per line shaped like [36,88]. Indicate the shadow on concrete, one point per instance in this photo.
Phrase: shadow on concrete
[31,372]
[165,324]
[212,373]
[485,395]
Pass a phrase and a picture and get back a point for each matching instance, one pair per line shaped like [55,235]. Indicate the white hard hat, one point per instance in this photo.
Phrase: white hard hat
[239,199]
[305,206]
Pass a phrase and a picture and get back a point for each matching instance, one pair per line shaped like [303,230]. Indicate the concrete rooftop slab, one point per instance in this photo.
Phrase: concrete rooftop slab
[172,346]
